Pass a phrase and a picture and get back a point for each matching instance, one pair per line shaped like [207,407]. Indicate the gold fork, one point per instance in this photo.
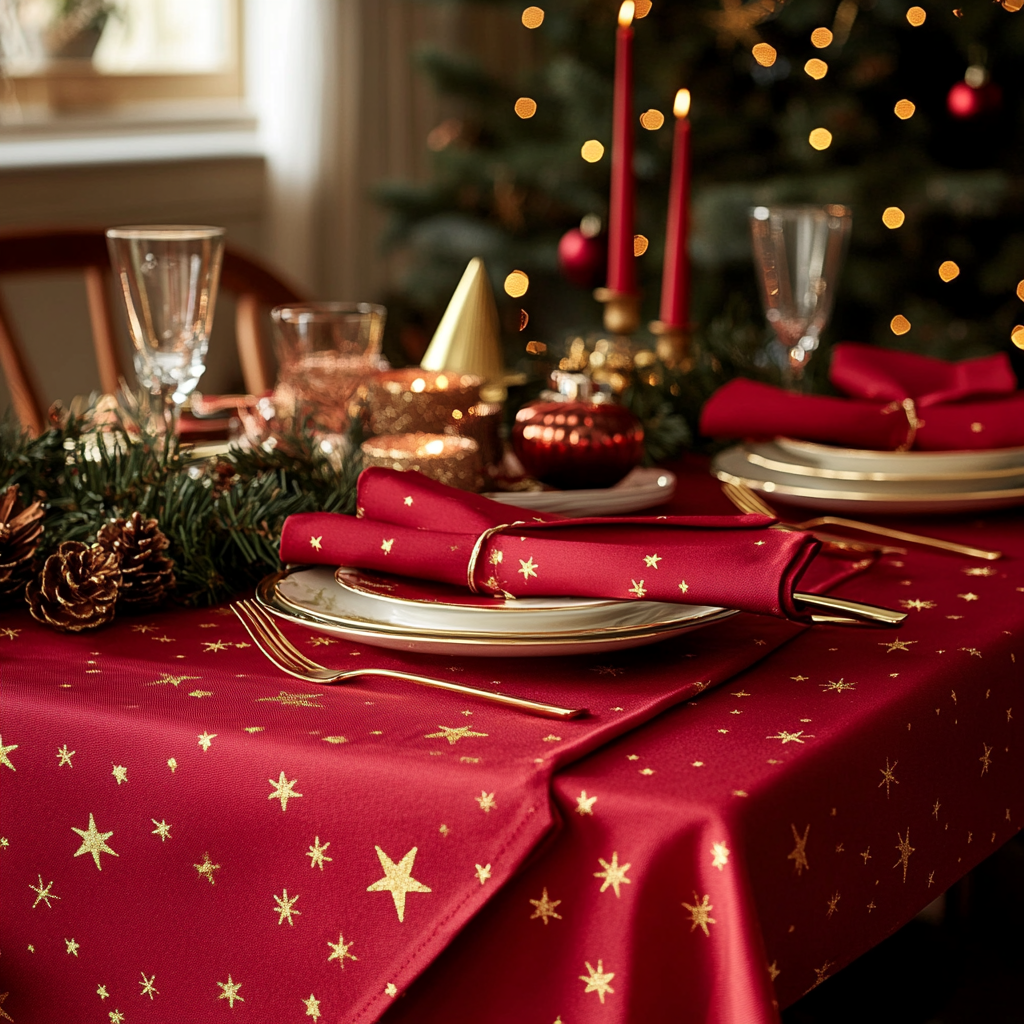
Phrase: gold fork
[288,658]
[746,500]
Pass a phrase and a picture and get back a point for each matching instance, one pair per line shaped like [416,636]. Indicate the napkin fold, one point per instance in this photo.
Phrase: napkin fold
[897,400]
[411,526]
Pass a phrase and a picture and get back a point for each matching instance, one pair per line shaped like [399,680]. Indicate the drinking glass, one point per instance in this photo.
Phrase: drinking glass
[798,253]
[327,352]
[168,277]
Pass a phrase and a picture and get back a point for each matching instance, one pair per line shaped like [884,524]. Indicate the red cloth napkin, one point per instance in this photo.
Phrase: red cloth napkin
[412,526]
[897,400]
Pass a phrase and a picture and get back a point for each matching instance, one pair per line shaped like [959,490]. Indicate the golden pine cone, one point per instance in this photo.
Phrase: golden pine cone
[77,589]
[20,530]
[147,574]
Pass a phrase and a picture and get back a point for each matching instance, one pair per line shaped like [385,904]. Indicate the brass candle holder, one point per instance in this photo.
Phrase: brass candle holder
[673,345]
[621,310]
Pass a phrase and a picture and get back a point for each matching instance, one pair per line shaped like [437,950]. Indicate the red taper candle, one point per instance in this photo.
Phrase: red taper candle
[675,279]
[621,261]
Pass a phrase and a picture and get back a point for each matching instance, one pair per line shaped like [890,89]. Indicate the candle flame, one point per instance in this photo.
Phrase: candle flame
[681,107]
[434,447]
[626,12]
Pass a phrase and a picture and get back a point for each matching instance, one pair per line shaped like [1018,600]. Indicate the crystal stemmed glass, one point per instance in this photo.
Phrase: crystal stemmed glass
[798,253]
[168,277]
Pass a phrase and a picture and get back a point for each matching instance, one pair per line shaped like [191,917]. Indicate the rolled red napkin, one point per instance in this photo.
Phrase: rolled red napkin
[898,401]
[452,537]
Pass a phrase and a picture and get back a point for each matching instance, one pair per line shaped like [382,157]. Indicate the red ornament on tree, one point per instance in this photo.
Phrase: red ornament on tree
[576,443]
[974,96]
[582,253]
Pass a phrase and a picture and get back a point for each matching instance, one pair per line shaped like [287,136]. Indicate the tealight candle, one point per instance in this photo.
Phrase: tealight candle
[415,399]
[449,460]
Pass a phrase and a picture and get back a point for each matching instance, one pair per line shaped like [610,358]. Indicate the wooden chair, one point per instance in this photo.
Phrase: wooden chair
[41,251]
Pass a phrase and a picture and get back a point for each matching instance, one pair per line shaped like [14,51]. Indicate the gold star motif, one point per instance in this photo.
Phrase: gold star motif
[282,790]
[646,771]
[759,543]
[888,779]
[322,641]
[821,973]
[584,803]
[116,1017]
[397,879]
[833,901]
[896,645]
[486,801]
[201,693]
[43,892]
[293,700]
[207,868]
[120,773]
[314,542]
[11,634]
[316,854]
[917,605]
[935,810]
[790,737]
[968,597]
[147,986]
[545,908]
[837,687]
[65,756]
[163,830]
[312,1005]
[4,751]
[139,628]
[528,568]
[972,651]
[444,830]
[407,500]
[102,992]
[205,739]
[637,590]
[341,951]
[986,758]
[701,914]
[719,855]
[72,946]
[390,989]
[597,981]
[799,852]
[168,680]
[285,907]
[982,570]
[172,763]
[799,679]
[905,851]
[483,872]
[94,842]
[614,874]
[683,586]
[607,670]
[773,970]
[931,879]
[651,561]
[453,734]
[230,991]
[866,855]
[164,639]
[215,645]
[385,545]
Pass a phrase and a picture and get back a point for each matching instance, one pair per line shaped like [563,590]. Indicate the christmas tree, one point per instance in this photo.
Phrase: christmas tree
[763,75]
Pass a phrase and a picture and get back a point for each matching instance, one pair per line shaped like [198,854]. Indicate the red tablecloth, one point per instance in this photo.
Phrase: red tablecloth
[188,836]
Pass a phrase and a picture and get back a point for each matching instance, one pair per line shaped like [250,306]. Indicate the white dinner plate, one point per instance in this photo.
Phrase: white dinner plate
[311,596]
[641,488]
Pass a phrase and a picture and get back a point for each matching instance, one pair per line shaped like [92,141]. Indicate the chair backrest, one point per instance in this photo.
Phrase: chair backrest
[85,249]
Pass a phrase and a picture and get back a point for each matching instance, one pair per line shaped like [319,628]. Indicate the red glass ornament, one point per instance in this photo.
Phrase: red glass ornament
[967,101]
[574,444]
[581,258]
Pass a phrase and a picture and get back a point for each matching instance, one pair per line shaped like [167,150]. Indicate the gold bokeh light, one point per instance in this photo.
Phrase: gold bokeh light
[916,16]
[1020,290]
[1013,5]
[533,17]
[524,319]
[652,120]
[1017,336]
[643,8]
[899,324]
[525,107]
[640,243]
[820,138]
[816,68]
[821,37]
[592,151]
[893,217]
[764,54]
[948,270]
[516,284]
[904,109]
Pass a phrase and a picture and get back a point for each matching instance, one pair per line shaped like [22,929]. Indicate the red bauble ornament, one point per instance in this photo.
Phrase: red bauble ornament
[582,258]
[967,101]
[576,444]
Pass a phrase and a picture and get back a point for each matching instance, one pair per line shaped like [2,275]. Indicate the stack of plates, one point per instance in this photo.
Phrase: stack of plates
[641,488]
[852,480]
[417,615]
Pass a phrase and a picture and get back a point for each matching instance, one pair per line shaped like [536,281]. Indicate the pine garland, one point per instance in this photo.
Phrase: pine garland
[223,518]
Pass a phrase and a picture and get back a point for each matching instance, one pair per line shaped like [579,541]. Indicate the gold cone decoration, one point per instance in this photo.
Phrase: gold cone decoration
[467,339]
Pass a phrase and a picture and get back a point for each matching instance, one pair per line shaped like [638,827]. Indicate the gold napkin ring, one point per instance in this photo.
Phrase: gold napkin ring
[478,548]
[914,424]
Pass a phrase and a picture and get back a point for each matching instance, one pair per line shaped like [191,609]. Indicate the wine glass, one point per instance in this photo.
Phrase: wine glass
[798,253]
[168,277]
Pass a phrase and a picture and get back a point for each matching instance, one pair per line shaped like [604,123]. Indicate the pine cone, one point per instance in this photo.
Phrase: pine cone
[77,588]
[147,574]
[20,530]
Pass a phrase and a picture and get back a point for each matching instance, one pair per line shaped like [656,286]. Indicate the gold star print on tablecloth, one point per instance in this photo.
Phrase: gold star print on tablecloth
[791,737]
[102,992]
[614,874]
[799,853]
[65,756]
[486,801]
[341,951]
[207,868]
[585,804]
[93,842]
[72,946]
[148,988]
[43,892]
[229,991]
[11,634]
[986,758]
[4,751]
[120,773]
[917,605]
[905,850]
[312,1005]
[214,646]
[205,739]
[719,855]
[888,779]
[282,790]
[700,913]
[597,981]
[833,903]
[316,854]
[545,908]
[170,680]
[837,687]
[896,645]
[453,733]
[116,1017]
[163,830]
[397,879]
[285,908]
[293,700]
